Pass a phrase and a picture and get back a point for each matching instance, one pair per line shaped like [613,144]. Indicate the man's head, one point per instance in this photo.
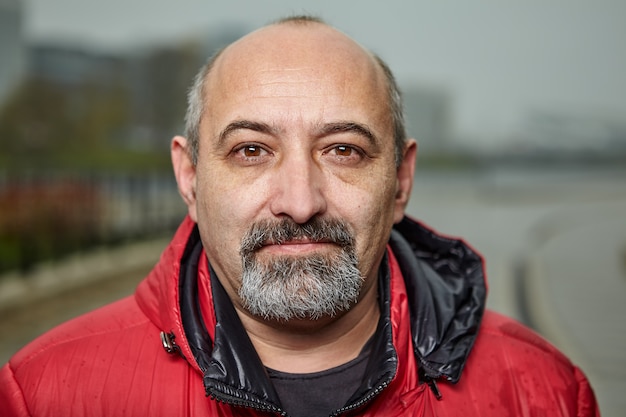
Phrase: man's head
[295,131]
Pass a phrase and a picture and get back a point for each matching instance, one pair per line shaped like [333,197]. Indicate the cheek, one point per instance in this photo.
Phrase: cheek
[228,200]
[371,195]
[222,223]
[370,210]
[227,206]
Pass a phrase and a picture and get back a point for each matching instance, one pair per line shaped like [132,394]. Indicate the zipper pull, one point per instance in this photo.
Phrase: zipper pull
[170,346]
[434,388]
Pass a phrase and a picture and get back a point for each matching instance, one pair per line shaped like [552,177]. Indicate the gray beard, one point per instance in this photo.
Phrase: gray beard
[299,287]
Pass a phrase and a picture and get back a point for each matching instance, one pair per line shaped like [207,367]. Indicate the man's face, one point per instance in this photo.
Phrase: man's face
[296,131]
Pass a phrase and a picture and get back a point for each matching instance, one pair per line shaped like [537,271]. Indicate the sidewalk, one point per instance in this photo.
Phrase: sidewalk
[578,302]
[56,292]
[50,279]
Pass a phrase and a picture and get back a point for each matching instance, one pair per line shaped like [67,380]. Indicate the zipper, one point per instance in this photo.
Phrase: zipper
[238,402]
[430,376]
[266,407]
[363,400]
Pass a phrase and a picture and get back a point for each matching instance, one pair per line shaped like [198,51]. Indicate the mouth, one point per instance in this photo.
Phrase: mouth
[295,246]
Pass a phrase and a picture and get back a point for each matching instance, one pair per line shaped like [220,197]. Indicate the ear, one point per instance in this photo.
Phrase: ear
[185,172]
[404,181]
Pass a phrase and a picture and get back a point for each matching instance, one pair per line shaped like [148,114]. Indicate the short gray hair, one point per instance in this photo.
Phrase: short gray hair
[197,94]
[195,107]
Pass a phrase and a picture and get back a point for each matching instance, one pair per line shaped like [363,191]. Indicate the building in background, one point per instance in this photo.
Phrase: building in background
[69,65]
[145,85]
[568,132]
[12,47]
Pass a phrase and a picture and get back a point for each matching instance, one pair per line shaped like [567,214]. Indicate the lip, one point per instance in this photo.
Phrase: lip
[297,246]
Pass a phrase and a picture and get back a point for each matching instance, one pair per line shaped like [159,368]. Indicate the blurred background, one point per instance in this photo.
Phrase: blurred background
[519,111]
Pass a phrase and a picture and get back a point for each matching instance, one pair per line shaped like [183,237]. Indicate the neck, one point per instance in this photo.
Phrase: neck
[305,346]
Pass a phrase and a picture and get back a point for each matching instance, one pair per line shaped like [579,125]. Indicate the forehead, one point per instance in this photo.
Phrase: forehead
[292,45]
[311,62]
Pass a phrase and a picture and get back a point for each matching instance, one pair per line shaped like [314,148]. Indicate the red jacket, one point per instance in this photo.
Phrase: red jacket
[437,351]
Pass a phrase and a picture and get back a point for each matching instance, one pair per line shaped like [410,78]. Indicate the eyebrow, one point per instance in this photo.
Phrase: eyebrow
[348,127]
[244,125]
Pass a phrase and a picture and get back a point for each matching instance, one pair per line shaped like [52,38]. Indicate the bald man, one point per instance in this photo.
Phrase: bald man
[296,286]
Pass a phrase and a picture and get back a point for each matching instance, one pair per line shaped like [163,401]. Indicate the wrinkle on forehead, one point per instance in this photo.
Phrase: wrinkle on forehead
[287,78]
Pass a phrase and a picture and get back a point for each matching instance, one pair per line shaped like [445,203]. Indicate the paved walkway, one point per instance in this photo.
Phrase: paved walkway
[56,292]
[555,251]
[575,282]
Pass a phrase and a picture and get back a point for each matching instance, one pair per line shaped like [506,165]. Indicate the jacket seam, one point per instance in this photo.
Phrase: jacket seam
[21,390]
[50,346]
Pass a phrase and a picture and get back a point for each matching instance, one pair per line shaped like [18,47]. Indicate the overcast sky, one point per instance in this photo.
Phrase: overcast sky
[498,59]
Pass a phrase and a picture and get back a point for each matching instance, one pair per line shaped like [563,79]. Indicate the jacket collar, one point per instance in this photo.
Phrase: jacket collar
[158,295]
[446,288]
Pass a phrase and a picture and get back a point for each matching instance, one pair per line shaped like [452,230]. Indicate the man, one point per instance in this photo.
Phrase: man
[286,291]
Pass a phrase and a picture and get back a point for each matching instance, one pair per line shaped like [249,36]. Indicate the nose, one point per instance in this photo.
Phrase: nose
[297,189]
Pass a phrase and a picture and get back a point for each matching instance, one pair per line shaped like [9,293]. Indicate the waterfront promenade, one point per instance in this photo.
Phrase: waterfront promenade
[554,243]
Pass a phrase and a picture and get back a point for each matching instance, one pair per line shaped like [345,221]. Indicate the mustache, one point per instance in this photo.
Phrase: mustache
[278,232]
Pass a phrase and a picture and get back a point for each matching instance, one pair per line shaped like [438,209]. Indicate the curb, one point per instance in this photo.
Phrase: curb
[534,306]
[53,278]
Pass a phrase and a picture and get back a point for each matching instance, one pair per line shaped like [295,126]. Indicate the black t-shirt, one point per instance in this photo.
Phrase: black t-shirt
[320,393]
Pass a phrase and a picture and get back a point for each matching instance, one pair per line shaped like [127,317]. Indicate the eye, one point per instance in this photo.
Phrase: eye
[250,154]
[250,151]
[345,154]
[343,150]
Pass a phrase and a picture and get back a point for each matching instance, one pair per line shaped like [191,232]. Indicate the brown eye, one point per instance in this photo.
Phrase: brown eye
[252,151]
[250,154]
[343,150]
[344,154]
